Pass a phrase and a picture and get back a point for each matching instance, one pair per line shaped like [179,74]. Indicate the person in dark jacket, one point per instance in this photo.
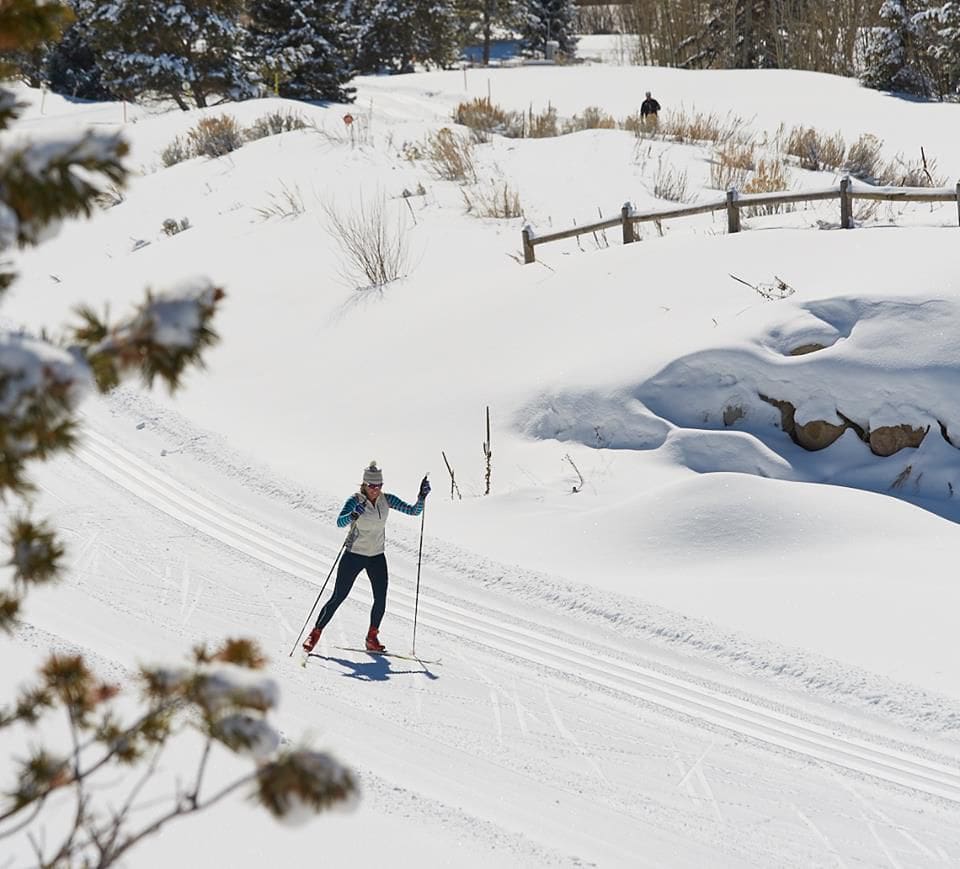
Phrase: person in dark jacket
[366,512]
[648,113]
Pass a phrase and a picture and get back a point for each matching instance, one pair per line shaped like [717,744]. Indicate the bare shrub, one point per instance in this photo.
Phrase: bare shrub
[450,156]
[911,173]
[485,119]
[274,123]
[815,150]
[215,137]
[173,227]
[176,152]
[287,203]
[375,250]
[497,200]
[731,165]
[670,183]
[593,118]
[863,159]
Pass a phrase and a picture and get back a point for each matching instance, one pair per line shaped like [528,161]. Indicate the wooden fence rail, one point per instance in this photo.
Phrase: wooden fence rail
[846,192]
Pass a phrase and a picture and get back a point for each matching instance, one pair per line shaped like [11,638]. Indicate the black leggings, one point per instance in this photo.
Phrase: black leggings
[350,566]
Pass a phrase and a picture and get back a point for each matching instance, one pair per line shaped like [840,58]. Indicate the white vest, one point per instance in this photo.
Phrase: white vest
[369,531]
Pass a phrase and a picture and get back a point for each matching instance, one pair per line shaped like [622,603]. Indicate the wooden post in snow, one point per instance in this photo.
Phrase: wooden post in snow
[733,212]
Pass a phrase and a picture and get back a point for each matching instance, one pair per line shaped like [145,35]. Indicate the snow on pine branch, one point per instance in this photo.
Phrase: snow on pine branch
[168,333]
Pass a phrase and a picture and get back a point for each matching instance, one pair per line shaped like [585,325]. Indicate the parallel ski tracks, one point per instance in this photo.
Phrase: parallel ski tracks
[533,644]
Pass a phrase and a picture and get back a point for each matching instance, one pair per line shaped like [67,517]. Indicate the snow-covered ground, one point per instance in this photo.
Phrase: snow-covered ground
[724,650]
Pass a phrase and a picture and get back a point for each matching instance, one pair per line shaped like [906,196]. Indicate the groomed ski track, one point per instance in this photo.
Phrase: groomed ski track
[533,643]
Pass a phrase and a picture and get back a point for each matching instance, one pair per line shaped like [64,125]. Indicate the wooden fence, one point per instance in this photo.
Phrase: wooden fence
[846,192]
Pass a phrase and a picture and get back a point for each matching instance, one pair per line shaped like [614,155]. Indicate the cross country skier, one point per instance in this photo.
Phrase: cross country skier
[367,511]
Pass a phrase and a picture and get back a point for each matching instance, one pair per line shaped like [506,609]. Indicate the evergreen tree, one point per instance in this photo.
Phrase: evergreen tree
[894,58]
[394,35]
[545,20]
[70,67]
[108,745]
[940,31]
[302,48]
[185,50]
[478,19]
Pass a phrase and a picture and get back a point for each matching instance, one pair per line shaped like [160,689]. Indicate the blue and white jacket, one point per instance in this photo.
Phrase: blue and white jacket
[368,537]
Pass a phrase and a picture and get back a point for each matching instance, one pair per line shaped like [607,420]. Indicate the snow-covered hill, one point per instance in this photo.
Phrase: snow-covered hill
[723,650]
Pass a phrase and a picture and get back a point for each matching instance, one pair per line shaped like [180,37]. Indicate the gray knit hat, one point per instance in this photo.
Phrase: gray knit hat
[372,474]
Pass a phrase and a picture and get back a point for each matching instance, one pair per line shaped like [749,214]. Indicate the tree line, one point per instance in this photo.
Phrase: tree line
[910,46]
[200,51]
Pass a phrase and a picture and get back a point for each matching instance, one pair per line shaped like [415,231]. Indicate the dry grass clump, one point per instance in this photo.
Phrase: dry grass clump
[815,150]
[593,118]
[769,176]
[543,125]
[485,119]
[287,203]
[450,156]
[670,183]
[700,127]
[496,199]
[863,160]
[731,165]
[274,123]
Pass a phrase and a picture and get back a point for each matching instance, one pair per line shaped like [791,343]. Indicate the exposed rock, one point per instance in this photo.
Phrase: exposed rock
[818,434]
[731,413]
[889,439]
[803,349]
[787,410]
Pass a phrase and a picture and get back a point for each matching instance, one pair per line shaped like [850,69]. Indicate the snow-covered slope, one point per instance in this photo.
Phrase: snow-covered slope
[635,673]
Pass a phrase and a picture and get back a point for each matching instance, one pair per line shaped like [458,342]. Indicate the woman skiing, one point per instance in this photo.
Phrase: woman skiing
[367,511]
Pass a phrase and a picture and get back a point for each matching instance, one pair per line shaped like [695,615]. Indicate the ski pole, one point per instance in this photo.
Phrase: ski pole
[416,599]
[335,560]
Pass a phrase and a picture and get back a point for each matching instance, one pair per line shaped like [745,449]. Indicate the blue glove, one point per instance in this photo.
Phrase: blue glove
[424,489]
[357,511]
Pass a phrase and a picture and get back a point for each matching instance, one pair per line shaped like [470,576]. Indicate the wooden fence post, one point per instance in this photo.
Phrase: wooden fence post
[846,203]
[958,200]
[733,213]
[625,214]
[528,255]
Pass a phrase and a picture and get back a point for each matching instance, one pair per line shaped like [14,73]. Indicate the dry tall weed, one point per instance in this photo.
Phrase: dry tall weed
[670,183]
[593,118]
[815,150]
[731,165]
[485,119]
[497,200]
[542,125]
[863,160]
[770,176]
[450,156]
[700,127]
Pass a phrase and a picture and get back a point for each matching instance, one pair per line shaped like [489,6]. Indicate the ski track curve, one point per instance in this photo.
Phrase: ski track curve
[938,778]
